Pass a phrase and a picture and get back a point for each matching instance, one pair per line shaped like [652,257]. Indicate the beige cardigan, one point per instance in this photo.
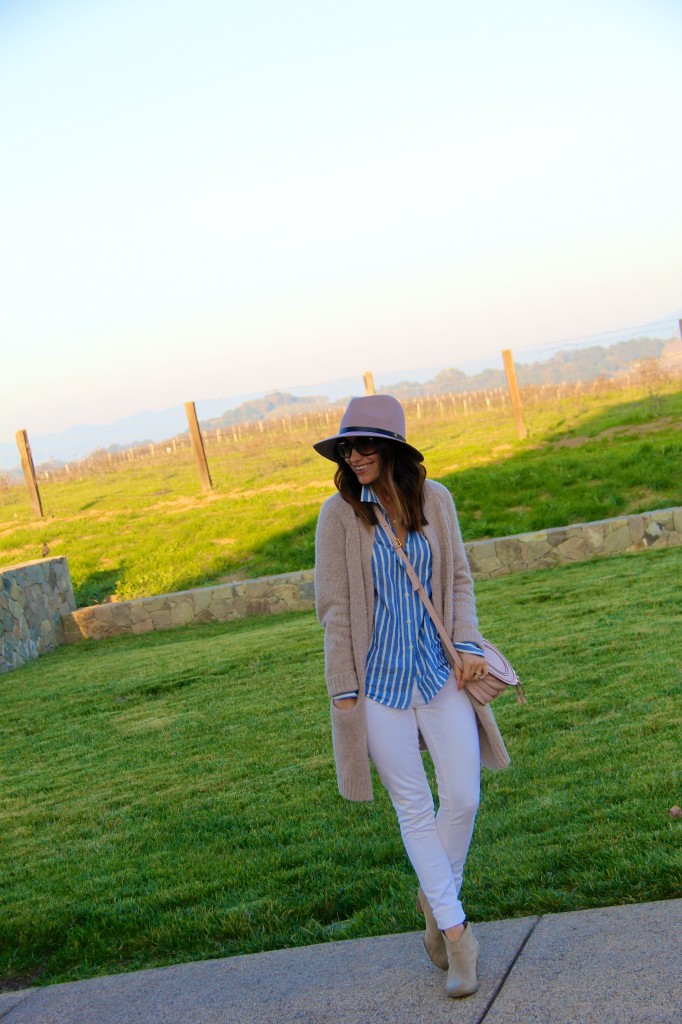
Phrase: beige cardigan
[344,594]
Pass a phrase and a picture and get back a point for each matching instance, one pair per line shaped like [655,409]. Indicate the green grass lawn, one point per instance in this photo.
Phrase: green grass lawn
[145,528]
[172,797]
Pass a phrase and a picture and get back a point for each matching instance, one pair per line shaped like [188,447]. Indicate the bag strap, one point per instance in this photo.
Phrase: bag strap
[417,586]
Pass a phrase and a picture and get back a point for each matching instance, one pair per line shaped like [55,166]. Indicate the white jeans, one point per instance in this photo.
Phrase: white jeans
[437,844]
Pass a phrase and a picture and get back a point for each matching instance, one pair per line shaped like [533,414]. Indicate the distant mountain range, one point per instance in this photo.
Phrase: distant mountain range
[573,364]
[566,366]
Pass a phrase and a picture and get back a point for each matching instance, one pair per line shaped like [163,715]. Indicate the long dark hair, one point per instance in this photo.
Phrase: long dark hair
[402,475]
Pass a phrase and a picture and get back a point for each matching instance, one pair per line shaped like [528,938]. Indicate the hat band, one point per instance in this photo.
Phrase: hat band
[373,430]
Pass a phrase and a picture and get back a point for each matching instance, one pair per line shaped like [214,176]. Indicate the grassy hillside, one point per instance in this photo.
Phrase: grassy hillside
[172,797]
[145,528]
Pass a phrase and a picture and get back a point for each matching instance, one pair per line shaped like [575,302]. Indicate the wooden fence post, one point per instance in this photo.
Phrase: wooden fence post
[514,392]
[29,472]
[198,447]
[369,383]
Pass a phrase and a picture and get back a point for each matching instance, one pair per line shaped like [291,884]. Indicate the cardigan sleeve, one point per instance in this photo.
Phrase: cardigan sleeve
[332,600]
[466,619]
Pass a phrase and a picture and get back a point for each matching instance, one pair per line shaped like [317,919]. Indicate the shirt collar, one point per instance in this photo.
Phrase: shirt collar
[367,494]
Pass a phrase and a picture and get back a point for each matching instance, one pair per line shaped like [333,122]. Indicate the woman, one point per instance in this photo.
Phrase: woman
[390,683]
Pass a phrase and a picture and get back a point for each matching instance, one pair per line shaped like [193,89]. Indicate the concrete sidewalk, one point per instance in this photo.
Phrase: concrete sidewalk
[619,965]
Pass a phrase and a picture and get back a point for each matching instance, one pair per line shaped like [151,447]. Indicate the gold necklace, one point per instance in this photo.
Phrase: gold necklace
[390,516]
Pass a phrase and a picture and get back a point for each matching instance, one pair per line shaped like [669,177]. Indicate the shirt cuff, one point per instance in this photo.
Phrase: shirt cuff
[469,647]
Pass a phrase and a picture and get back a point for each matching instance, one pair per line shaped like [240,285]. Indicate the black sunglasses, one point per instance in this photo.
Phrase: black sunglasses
[362,445]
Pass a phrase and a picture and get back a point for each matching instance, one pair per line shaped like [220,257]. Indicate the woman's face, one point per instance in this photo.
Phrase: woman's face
[367,466]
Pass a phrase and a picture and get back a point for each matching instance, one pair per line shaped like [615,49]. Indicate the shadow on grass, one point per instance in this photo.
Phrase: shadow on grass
[98,586]
[546,485]
[626,414]
[540,486]
[288,551]
[622,460]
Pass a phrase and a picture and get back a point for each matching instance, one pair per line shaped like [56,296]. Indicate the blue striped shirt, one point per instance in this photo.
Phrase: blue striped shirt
[405,645]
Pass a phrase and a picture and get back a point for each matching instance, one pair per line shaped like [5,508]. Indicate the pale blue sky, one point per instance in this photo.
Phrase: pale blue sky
[210,198]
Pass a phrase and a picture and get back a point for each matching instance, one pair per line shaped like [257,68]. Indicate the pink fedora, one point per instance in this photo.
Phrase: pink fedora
[379,416]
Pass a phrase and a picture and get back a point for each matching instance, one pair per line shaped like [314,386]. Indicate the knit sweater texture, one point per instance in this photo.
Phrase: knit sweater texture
[344,594]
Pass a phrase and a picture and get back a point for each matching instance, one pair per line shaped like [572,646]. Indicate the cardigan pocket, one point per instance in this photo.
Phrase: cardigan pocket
[349,739]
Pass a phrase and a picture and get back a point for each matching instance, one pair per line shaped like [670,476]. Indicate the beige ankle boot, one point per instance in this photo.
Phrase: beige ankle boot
[434,940]
[462,964]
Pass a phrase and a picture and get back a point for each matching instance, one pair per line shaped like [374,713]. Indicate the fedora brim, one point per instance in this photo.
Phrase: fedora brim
[327,448]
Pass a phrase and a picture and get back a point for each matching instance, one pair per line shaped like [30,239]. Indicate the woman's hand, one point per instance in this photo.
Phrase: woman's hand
[473,667]
[346,703]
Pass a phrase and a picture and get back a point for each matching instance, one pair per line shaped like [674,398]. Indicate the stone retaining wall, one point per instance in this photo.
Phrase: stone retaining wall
[295,591]
[34,597]
[578,543]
